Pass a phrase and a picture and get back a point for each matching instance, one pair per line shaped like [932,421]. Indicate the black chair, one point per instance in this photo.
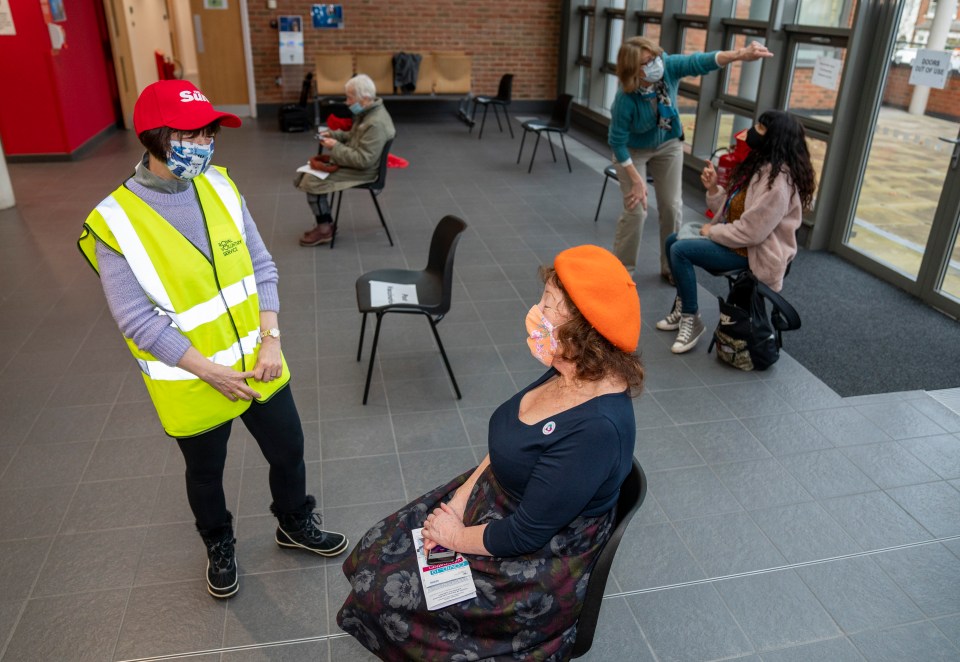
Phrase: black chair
[503,98]
[434,286]
[558,123]
[632,493]
[375,188]
[610,172]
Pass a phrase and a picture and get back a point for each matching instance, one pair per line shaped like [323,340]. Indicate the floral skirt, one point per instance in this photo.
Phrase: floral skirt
[526,606]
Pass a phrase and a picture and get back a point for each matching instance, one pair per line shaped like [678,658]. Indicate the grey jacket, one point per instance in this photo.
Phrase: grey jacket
[357,152]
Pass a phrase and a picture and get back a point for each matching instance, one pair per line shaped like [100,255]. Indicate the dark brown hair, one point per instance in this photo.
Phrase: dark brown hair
[157,141]
[594,356]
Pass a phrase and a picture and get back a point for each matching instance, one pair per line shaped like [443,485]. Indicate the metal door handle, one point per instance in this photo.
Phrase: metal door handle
[955,141]
[955,158]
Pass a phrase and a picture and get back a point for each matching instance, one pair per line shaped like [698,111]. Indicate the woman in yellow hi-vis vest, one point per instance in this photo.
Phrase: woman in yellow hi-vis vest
[194,292]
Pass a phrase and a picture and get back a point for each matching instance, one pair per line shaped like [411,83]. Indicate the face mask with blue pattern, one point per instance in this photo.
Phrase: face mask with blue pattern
[356,108]
[188,159]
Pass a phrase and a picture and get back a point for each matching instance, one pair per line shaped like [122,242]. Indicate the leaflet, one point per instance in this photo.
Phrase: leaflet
[445,583]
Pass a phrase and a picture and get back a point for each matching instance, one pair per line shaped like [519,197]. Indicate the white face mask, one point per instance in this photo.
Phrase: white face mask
[653,70]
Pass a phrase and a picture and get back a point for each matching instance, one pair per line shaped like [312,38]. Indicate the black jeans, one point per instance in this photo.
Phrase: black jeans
[275,425]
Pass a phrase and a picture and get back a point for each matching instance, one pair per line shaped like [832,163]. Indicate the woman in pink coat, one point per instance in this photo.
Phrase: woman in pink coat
[754,223]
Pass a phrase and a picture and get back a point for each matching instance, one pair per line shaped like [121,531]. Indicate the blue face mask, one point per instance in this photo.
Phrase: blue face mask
[356,108]
[653,70]
[188,160]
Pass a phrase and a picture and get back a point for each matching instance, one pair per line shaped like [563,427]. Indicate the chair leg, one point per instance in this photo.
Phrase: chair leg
[506,116]
[535,145]
[473,116]
[550,142]
[336,221]
[373,356]
[446,362]
[380,214]
[599,204]
[496,114]
[484,121]
[567,156]
[522,140]
[363,328]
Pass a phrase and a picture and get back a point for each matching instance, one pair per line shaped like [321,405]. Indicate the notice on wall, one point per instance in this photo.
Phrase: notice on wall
[327,16]
[291,40]
[930,68]
[826,72]
[6,19]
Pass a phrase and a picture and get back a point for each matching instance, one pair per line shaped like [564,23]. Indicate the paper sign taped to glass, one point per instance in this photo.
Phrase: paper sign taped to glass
[391,294]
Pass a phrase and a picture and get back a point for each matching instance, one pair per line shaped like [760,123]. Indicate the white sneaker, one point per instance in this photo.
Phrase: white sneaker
[691,328]
[672,321]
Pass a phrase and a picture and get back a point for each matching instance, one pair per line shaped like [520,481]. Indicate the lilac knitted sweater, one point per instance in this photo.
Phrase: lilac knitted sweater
[176,202]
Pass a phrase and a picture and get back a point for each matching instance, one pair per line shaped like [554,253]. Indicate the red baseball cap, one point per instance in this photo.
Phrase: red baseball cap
[177,104]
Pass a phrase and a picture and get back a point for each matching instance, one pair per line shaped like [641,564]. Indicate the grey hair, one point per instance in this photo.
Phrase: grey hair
[362,86]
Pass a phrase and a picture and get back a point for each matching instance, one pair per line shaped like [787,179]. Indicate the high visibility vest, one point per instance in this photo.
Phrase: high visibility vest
[213,303]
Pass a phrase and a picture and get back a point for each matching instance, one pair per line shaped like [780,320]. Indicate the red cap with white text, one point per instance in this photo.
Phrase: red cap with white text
[176,104]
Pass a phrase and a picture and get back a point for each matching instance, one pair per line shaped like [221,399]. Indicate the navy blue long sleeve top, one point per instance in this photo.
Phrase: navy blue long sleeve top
[567,465]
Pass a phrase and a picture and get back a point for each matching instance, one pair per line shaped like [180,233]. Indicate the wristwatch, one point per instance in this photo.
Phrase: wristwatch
[269,333]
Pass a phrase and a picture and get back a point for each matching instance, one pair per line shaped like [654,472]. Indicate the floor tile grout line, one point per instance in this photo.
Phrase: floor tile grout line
[790,566]
[235,649]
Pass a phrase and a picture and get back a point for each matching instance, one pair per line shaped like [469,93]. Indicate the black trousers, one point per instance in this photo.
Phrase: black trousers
[321,206]
[275,425]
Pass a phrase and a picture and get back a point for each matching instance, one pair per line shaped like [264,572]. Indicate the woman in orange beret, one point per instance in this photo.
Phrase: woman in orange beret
[530,544]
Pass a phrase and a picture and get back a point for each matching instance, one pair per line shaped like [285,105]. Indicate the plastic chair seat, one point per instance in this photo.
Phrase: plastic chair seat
[502,100]
[632,493]
[375,187]
[434,289]
[558,123]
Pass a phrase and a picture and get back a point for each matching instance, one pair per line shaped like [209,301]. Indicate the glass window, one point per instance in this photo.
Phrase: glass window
[827,13]
[758,10]
[701,7]
[609,90]
[811,95]
[615,39]
[728,126]
[694,41]
[742,79]
[650,31]
[687,107]
[951,279]
[586,35]
[653,5]
[818,154]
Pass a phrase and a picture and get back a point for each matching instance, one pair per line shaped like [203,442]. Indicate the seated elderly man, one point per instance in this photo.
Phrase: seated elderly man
[355,153]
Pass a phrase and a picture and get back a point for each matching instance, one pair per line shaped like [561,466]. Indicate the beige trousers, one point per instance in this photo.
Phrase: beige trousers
[665,165]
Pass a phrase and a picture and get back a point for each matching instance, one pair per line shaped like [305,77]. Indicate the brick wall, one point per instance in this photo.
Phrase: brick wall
[943,103]
[521,38]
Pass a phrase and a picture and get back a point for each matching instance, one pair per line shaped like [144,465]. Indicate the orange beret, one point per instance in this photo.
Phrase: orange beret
[601,288]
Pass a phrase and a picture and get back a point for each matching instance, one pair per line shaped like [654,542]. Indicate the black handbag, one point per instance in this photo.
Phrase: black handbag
[747,337]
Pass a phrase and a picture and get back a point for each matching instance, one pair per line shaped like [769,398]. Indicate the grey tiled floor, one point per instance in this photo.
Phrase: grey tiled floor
[783,523]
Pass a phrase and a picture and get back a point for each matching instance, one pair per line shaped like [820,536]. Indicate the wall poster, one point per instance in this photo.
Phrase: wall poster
[291,40]
[327,16]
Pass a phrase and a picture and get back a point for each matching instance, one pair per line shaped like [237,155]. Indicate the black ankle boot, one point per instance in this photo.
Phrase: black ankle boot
[301,528]
[222,580]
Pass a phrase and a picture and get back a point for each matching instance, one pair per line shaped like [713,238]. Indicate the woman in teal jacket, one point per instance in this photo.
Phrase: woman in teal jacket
[645,131]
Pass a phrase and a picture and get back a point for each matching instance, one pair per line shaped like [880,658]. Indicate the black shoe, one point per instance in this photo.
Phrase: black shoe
[222,580]
[302,529]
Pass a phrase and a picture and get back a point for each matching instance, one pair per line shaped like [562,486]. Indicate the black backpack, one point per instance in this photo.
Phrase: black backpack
[746,337]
